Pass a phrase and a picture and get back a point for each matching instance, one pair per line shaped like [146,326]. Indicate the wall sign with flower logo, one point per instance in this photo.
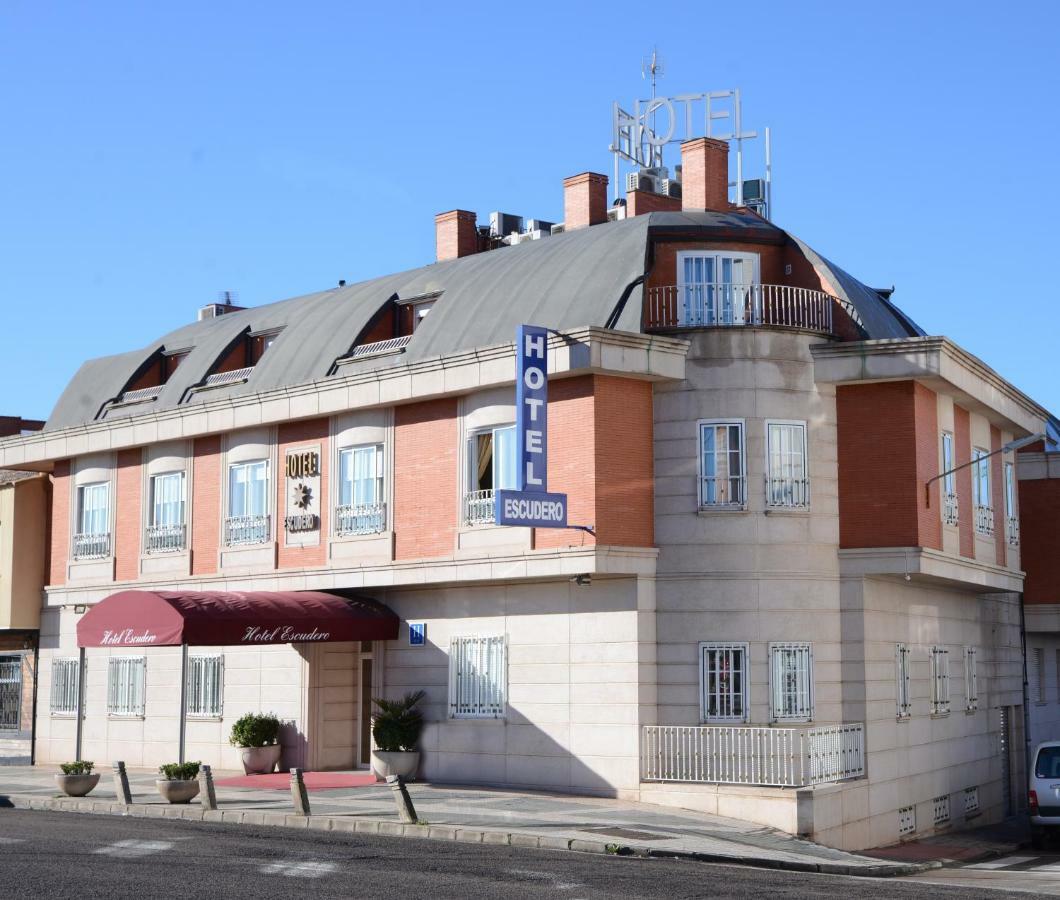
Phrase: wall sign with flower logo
[301,521]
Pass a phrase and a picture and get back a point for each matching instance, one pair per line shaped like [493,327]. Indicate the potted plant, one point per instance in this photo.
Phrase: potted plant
[257,734]
[396,727]
[179,782]
[77,778]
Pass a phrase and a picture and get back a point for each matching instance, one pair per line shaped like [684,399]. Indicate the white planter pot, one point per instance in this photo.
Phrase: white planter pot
[260,760]
[77,785]
[395,762]
[178,791]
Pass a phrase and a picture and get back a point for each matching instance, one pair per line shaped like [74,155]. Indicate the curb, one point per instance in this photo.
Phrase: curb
[390,828]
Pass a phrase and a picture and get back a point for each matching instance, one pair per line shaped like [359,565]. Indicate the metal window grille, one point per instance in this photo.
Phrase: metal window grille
[907,820]
[10,692]
[92,546]
[363,519]
[724,681]
[246,530]
[65,682]
[971,801]
[479,508]
[940,680]
[1012,522]
[1058,676]
[1038,675]
[205,685]
[787,484]
[903,696]
[949,483]
[791,681]
[950,509]
[984,513]
[941,809]
[721,464]
[971,679]
[477,677]
[164,538]
[125,685]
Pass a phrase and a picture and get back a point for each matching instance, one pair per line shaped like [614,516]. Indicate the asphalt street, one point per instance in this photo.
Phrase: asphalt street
[46,855]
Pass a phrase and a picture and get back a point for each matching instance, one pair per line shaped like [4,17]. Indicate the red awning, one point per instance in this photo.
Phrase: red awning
[216,618]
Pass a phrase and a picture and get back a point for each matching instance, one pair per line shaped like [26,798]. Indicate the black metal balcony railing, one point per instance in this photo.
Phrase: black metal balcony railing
[164,538]
[713,305]
[92,546]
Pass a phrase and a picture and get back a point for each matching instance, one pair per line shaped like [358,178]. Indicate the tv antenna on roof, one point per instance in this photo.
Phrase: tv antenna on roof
[654,68]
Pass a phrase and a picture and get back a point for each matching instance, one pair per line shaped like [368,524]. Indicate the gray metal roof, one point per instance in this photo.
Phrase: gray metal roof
[565,281]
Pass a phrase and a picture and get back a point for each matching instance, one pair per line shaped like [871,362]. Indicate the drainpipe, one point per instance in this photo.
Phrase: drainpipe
[80,701]
[36,682]
[183,699]
[1028,750]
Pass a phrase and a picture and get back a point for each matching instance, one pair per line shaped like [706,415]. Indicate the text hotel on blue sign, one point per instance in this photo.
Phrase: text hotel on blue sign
[531,504]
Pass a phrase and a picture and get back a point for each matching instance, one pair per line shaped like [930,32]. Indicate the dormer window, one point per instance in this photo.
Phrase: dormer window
[716,287]
[411,311]
[258,344]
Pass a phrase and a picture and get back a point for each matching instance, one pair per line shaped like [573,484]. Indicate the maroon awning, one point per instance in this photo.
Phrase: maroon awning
[216,618]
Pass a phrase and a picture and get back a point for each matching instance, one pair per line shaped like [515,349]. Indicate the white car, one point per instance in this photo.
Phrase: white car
[1044,796]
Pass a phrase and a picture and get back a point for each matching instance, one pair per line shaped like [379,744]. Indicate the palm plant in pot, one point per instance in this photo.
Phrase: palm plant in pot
[258,736]
[77,778]
[396,727]
[179,782]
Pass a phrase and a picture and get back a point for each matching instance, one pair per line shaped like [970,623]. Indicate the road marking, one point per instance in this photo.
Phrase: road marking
[7,840]
[299,868]
[133,848]
[1002,863]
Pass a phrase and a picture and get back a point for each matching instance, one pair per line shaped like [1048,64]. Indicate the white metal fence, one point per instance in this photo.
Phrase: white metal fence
[246,530]
[984,520]
[365,518]
[950,509]
[164,538]
[92,546]
[720,305]
[478,508]
[751,754]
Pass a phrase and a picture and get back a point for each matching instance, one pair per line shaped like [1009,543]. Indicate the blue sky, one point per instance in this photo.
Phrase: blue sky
[153,156]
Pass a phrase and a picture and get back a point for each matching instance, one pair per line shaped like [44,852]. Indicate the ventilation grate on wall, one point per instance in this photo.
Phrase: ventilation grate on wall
[971,801]
[942,809]
[907,820]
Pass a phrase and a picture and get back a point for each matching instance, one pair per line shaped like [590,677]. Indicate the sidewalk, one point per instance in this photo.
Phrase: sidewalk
[962,847]
[539,820]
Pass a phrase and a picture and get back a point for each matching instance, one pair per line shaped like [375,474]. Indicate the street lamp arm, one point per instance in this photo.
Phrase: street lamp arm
[1007,448]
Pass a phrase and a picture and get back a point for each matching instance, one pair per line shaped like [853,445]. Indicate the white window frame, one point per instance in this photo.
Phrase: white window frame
[741,696]
[714,302]
[903,695]
[156,480]
[779,653]
[206,682]
[800,493]
[950,508]
[487,696]
[981,491]
[82,490]
[126,686]
[378,483]
[267,481]
[971,680]
[741,475]
[1011,519]
[940,680]
[66,682]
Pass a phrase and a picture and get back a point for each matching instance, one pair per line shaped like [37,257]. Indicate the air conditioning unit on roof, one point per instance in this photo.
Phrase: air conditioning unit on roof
[503,224]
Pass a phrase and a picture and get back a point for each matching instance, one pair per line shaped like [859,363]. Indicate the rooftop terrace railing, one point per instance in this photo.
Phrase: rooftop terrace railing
[718,305]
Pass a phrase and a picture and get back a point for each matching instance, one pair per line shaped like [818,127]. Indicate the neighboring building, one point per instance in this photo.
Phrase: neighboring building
[1039,499]
[781,613]
[24,498]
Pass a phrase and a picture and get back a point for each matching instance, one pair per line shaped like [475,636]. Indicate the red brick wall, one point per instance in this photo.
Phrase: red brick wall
[127,514]
[59,552]
[926,418]
[455,234]
[292,435]
[571,459]
[997,498]
[206,505]
[888,439]
[425,489]
[640,202]
[962,454]
[705,174]
[1039,510]
[584,200]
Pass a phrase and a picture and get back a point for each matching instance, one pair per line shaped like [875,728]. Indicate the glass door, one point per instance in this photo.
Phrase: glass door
[716,288]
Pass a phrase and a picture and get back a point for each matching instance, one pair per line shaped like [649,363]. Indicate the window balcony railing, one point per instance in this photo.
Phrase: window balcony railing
[950,509]
[722,492]
[1012,529]
[787,493]
[984,520]
[246,530]
[770,757]
[716,305]
[164,538]
[92,546]
[365,518]
[478,508]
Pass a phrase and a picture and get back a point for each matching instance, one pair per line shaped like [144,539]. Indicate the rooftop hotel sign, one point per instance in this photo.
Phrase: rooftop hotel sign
[530,505]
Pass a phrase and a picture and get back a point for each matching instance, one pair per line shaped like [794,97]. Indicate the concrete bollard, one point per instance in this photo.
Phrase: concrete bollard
[299,793]
[207,794]
[121,783]
[406,811]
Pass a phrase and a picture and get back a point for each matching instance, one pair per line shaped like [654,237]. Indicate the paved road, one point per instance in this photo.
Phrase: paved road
[49,855]
[1028,871]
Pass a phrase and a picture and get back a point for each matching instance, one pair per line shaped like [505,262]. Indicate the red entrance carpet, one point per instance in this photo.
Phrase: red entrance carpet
[314,781]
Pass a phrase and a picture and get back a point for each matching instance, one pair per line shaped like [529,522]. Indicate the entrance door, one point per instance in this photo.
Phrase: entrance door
[334,701]
[715,288]
[10,692]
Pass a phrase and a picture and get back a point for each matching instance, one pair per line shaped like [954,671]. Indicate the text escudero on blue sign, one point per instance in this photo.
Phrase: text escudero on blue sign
[533,509]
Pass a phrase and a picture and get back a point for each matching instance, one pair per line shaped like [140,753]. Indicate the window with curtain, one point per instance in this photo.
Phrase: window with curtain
[791,681]
[723,676]
[248,489]
[787,484]
[491,460]
[167,499]
[93,502]
[721,464]
[361,476]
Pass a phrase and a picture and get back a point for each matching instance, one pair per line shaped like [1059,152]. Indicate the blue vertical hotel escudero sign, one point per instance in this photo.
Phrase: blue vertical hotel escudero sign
[531,505]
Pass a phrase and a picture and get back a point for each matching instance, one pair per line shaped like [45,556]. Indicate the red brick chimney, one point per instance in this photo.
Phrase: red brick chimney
[455,234]
[705,174]
[584,200]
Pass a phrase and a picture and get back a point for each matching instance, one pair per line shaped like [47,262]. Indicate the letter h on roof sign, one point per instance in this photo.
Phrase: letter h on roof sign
[531,408]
